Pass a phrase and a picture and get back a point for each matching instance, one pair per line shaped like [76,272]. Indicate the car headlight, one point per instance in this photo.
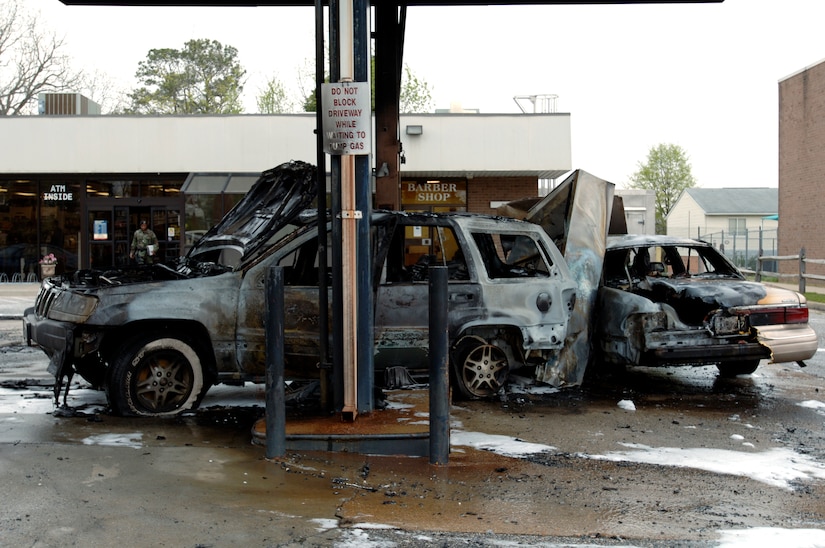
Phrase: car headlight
[71,307]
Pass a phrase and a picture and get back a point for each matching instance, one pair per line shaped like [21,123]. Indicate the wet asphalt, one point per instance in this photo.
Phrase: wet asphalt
[86,477]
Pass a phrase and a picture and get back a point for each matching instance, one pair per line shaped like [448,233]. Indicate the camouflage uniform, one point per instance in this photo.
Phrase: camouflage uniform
[140,241]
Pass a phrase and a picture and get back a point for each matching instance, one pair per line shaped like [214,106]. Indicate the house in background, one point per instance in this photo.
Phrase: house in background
[639,210]
[732,219]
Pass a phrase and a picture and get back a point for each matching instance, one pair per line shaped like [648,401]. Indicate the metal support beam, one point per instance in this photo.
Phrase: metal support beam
[389,52]
[355,343]
[363,203]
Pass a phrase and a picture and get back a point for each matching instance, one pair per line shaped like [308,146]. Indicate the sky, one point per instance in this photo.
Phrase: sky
[701,76]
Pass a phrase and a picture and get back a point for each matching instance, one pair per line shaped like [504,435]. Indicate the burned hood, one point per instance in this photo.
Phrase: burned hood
[276,198]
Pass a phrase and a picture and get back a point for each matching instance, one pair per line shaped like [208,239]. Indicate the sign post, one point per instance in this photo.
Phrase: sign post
[346,127]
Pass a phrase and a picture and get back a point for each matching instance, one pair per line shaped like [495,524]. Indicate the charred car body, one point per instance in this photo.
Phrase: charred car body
[678,301]
[157,337]
[651,300]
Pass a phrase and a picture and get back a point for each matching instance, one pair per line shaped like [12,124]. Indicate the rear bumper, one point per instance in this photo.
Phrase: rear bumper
[706,354]
[789,343]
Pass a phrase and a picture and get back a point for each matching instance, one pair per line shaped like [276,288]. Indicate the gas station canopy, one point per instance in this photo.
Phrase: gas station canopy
[397,2]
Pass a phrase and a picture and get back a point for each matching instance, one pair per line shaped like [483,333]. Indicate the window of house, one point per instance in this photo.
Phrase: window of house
[736,225]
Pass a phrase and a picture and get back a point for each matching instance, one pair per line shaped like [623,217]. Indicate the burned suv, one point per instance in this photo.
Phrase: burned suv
[666,300]
[157,337]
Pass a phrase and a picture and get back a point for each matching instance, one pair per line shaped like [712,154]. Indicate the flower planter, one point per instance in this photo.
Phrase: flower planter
[47,271]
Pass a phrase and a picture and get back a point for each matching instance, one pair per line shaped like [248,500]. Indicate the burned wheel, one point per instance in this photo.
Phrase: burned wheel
[156,376]
[480,369]
[731,369]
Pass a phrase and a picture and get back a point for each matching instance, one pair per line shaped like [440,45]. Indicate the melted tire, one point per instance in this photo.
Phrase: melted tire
[156,376]
[479,369]
[732,369]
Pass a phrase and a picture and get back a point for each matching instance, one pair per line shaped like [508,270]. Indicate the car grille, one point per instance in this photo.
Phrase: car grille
[45,300]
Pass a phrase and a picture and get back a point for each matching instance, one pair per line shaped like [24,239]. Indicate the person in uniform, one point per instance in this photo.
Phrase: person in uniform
[144,244]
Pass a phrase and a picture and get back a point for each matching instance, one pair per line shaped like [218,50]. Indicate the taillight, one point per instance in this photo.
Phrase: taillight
[780,315]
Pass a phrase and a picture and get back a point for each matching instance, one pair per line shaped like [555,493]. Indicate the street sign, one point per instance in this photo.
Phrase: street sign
[347,118]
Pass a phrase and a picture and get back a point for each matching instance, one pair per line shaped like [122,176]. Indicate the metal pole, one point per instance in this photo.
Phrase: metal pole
[759,257]
[439,376]
[337,237]
[802,280]
[363,203]
[323,294]
[275,395]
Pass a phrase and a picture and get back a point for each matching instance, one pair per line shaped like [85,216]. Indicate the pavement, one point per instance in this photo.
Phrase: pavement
[15,297]
[94,479]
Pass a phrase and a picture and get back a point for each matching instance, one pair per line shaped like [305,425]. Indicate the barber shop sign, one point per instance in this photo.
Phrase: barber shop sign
[441,192]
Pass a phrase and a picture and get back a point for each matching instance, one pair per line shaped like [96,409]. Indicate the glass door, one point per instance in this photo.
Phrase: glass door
[166,225]
[111,229]
[101,238]
[121,236]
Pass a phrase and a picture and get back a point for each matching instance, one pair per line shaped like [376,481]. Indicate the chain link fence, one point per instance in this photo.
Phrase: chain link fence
[755,252]
[744,248]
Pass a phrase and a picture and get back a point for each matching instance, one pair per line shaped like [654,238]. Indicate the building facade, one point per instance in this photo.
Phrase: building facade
[77,186]
[802,166]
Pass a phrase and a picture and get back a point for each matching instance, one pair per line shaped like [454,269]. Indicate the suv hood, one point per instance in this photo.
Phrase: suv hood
[275,199]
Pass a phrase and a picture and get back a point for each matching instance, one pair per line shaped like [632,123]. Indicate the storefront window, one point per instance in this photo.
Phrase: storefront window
[111,189]
[18,230]
[60,223]
[38,218]
[209,196]
[124,188]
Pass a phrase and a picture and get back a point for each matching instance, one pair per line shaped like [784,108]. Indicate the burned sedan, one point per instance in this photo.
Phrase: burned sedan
[677,301]
[157,337]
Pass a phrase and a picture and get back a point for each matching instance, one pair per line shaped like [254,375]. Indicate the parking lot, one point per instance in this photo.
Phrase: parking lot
[650,457]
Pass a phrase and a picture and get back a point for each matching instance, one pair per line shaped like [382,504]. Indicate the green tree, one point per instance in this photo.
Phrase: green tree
[273,98]
[667,173]
[31,60]
[205,77]
[416,95]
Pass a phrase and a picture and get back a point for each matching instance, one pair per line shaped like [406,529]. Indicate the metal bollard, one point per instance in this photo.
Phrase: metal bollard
[439,375]
[275,393]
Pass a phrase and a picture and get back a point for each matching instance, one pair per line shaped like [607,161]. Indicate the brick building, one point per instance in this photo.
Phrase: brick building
[802,166]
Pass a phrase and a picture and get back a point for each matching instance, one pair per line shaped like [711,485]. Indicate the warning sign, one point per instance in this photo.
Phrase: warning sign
[347,118]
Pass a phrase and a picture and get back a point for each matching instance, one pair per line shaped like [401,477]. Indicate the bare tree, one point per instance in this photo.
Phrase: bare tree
[99,87]
[31,60]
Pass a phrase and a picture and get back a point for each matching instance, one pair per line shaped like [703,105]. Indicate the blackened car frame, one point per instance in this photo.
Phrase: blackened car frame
[677,301]
[157,337]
